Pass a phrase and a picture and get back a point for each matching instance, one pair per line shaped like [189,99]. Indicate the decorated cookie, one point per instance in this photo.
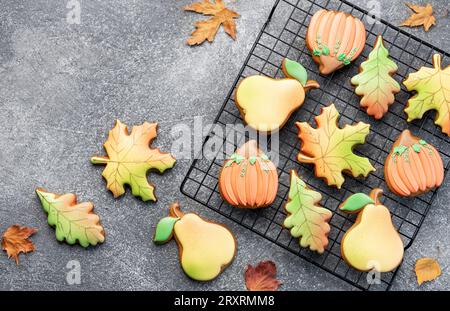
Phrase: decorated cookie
[372,242]
[266,104]
[335,39]
[130,158]
[375,83]
[413,166]
[248,178]
[433,93]
[74,222]
[206,248]
[330,148]
[306,219]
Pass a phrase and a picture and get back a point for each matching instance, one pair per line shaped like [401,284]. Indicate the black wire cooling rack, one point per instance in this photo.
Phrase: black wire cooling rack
[283,35]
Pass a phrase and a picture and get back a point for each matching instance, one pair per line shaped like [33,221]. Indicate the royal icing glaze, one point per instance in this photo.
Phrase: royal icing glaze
[248,178]
[306,219]
[374,83]
[205,248]
[330,148]
[335,39]
[413,166]
[73,222]
[372,242]
[266,104]
[433,93]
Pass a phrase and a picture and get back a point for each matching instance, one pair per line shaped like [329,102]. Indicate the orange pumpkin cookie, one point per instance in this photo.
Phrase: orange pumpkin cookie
[248,178]
[266,104]
[335,39]
[372,242]
[413,167]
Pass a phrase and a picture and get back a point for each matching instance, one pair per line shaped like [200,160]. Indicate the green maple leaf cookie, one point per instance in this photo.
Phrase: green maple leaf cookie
[330,148]
[433,93]
[130,158]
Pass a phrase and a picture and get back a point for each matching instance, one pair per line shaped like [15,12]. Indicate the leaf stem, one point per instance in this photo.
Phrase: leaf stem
[99,160]
[175,210]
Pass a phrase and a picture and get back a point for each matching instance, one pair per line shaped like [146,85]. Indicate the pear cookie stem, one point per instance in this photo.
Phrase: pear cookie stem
[375,195]
[175,210]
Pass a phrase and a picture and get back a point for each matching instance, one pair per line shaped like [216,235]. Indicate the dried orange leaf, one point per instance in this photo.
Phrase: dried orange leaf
[207,29]
[130,158]
[427,269]
[423,16]
[15,241]
[262,277]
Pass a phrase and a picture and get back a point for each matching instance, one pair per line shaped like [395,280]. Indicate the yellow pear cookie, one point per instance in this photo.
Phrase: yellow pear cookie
[266,104]
[206,248]
[372,242]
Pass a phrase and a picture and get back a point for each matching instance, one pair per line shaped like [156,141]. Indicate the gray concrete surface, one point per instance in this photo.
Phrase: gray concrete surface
[61,88]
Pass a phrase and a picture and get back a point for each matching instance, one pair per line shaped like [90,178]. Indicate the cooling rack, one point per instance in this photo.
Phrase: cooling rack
[283,35]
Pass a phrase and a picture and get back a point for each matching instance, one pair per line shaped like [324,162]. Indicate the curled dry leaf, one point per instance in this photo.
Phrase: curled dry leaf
[427,269]
[423,16]
[262,277]
[15,241]
[207,29]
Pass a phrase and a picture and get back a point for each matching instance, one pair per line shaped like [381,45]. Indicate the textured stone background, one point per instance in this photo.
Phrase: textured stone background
[61,88]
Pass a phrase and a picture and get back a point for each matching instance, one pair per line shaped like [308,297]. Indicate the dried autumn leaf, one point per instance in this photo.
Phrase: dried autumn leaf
[375,83]
[130,158]
[73,221]
[306,219]
[15,241]
[262,277]
[207,29]
[330,148]
[423,16]
[427,269]
[433,93]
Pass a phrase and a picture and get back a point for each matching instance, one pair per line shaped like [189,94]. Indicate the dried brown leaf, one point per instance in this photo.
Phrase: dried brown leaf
[15,241]
[427,269]
[262,277]
[207,29]
[423,16]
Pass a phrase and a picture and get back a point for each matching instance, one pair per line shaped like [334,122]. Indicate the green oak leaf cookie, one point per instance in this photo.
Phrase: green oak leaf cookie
[74,222]
[375,83]
[306,219]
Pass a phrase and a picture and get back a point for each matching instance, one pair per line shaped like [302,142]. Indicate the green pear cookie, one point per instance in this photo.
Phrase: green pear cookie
[205,248]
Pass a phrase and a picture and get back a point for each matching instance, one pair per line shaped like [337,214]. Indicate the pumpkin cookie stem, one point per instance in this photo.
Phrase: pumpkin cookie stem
[175,210]
[375,195]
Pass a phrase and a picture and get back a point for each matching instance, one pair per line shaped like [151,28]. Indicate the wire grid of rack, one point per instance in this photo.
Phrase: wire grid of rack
[283,35]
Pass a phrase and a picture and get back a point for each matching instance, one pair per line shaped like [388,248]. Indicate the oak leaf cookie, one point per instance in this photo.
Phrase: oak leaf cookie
[375,83]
